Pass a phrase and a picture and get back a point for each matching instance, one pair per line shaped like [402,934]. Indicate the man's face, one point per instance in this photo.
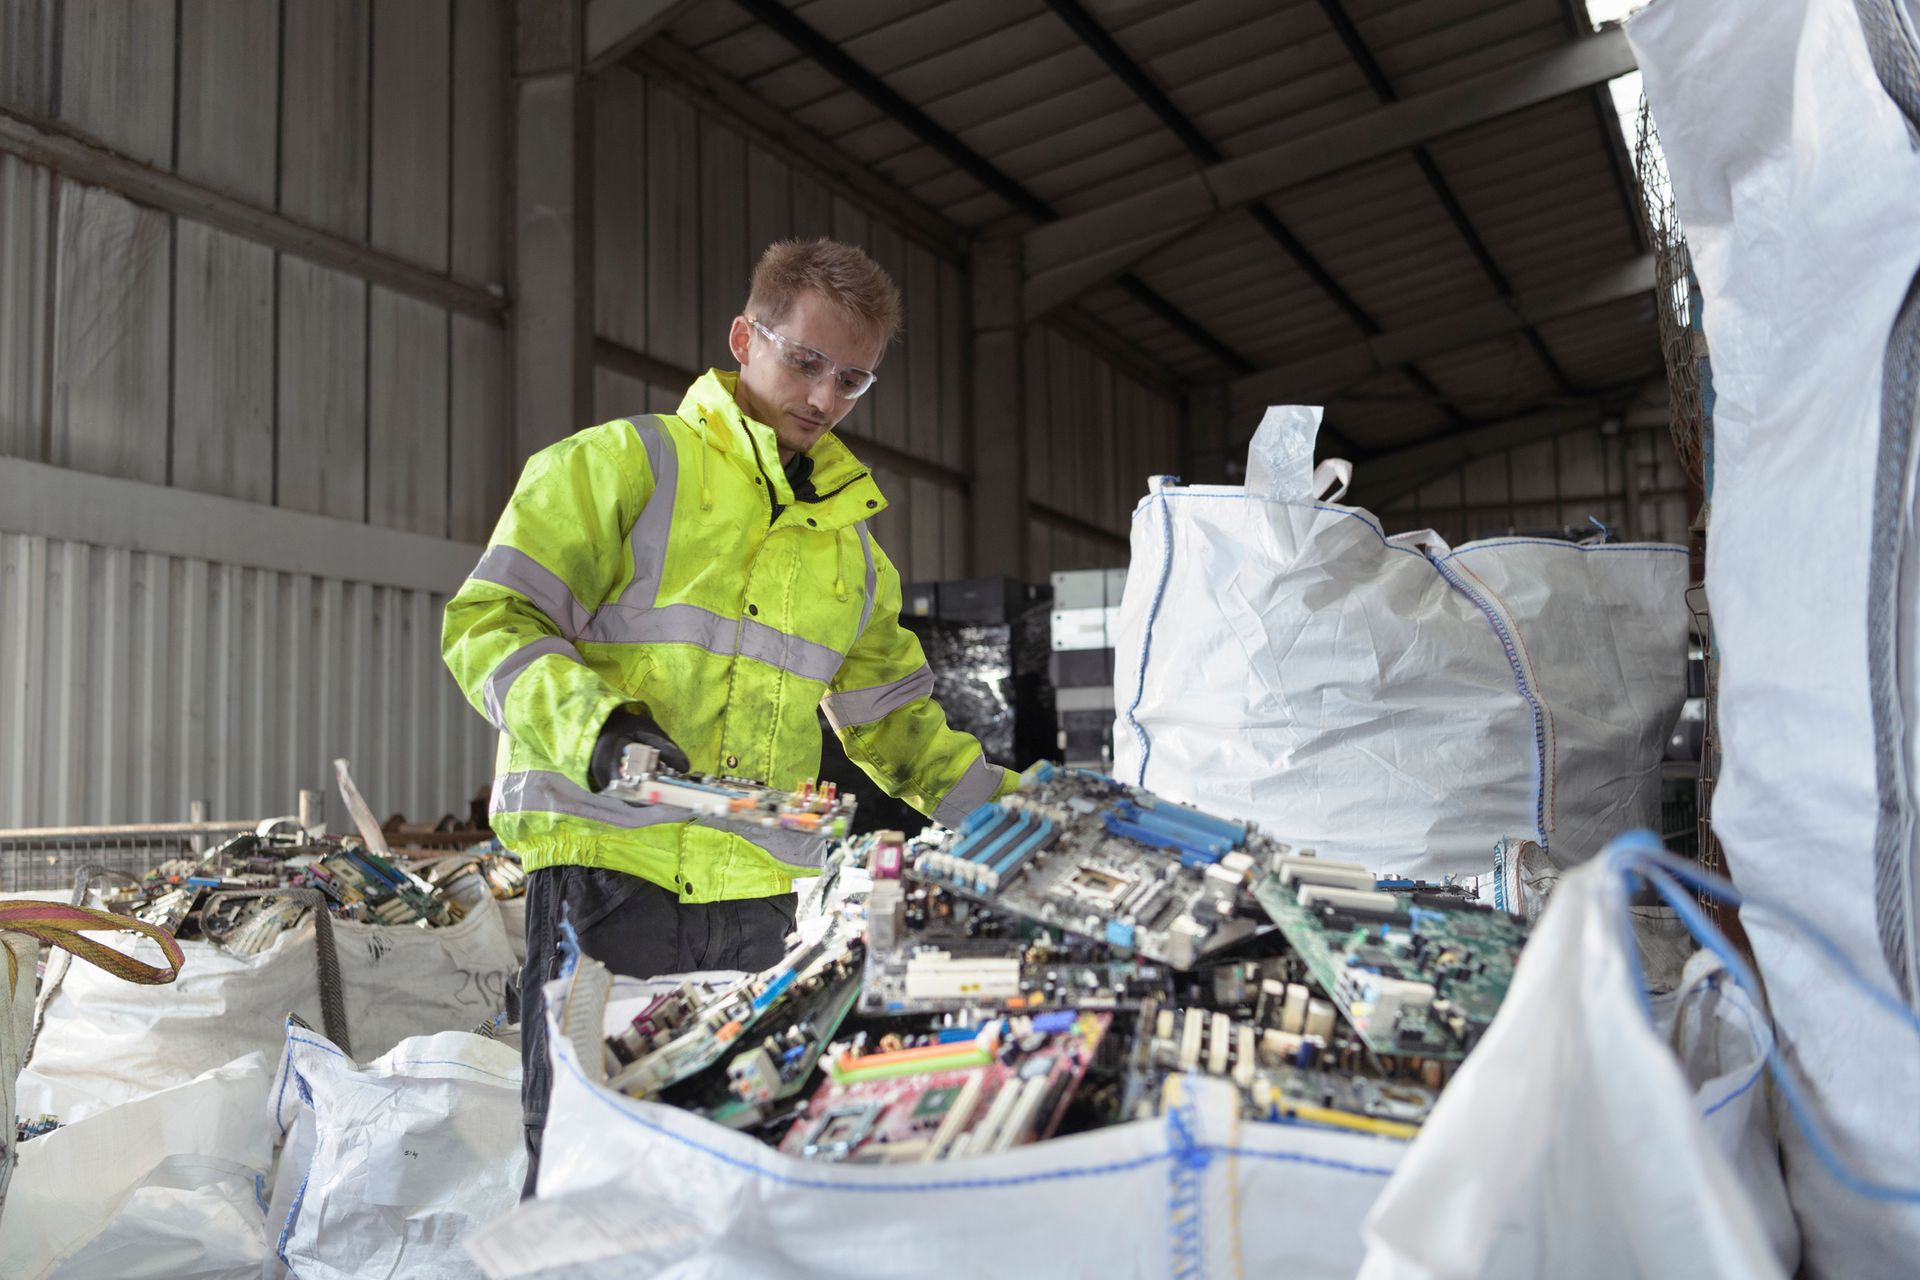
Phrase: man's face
[773,391]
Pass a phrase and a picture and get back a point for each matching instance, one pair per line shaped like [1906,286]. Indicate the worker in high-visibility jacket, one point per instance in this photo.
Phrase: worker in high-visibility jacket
[703,582]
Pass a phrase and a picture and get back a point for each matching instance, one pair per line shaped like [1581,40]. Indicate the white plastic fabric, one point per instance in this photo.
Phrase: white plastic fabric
[166,1187]
[389,1166]
[1391,700]
[513,919]
[1798,183]
[1573,1142]
[105,1041]
[18,955]
[640,1188]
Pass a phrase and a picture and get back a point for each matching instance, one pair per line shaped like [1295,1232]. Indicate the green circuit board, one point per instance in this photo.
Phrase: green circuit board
[1367,961]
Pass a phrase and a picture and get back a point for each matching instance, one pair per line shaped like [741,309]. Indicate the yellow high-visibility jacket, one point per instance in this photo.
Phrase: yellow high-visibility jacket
[663,561]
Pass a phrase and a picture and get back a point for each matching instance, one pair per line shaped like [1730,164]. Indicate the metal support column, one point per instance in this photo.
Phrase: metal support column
[1206,445]
[552,227]
[999,409]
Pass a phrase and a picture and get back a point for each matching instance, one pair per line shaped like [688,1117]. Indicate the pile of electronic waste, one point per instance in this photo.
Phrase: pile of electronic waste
[1053,966]
[244,893]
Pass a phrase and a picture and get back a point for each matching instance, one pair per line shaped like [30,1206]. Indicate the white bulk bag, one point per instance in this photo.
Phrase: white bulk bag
[18,956]
[1391,700]
[631,1185]
[1573,1144]
[394,1162]
[104,1042]
[513,919]
[163,1187]
[642,1188]
[25,924]
[1789,131]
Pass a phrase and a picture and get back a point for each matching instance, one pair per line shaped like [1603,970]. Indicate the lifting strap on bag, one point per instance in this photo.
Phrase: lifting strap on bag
[57,924]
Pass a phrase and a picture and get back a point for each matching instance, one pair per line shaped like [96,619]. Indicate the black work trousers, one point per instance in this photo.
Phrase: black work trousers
[635,928]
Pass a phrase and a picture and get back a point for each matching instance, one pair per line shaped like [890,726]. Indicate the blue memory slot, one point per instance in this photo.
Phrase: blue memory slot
[979,818]
[975,835]
[1013,831]
[1212,830]
[1149,828]
[1025,847]
[1190,854]
[773,991]
[373,871]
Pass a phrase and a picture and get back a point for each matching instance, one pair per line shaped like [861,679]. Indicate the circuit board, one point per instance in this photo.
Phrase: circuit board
[777,1062]
[366,886]
[1078,851]
[1418,974]
[667,1044]
[1282,1078]
[821,810]
[971,1094]
[929,950]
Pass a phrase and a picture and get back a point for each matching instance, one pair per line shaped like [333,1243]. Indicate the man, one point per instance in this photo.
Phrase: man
[702,583]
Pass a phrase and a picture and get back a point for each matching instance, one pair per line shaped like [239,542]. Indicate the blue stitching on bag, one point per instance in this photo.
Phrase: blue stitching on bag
[1759,1069]
[1752,1080]
[1645,547]
[286,1228]
[1439,565]
[1650,548]
[279,1098]
[1146,636]
[1186,1193]
[600,1095]
[414,1062]
[1294,1157]
[1526,694]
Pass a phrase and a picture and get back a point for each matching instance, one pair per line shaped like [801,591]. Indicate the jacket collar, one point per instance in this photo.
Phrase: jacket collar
[846,485]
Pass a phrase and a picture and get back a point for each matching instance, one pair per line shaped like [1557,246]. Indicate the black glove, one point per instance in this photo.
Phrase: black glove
[623,727]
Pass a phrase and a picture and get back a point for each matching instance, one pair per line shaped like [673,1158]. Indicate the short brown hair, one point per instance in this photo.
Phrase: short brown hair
[840,273]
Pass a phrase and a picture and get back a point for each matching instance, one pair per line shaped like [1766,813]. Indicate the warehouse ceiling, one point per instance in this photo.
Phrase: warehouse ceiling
[1419,212]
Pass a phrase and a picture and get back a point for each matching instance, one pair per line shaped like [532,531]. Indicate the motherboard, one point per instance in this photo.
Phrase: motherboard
[1283,1077]
[1077,851]
[1416,970]
[685,1032]
[931,950]
[947,1095]
[821,810]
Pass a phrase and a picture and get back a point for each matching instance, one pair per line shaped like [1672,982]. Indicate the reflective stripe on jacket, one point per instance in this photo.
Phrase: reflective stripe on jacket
[664,561]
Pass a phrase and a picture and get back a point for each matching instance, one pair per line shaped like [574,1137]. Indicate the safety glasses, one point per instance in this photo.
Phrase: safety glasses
[849,383]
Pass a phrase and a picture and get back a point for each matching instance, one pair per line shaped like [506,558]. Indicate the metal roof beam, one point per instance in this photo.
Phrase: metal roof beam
[1393,474]
[1382,85]
[837,63]
[612,29]
[1067,257]
[54,146]
[1130,73]
[726,99]
[1304,380]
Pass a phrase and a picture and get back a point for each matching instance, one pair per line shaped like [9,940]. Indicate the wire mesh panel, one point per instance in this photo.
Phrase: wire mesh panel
[1682,344]
[30,861]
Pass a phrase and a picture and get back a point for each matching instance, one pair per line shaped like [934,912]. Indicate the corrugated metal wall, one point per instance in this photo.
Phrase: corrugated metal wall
[132,683]
[151,347]
[138,344]
[144,345]
[1094,437]
[1631,481]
